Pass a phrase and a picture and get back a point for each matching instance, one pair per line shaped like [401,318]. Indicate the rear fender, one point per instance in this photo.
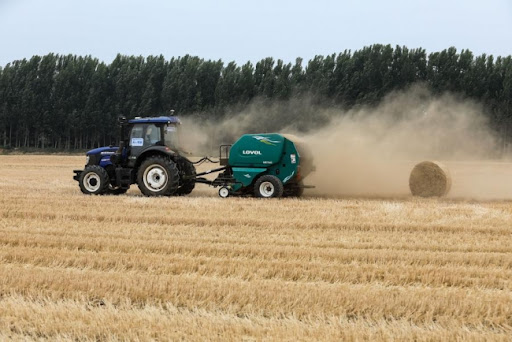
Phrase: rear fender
[151,151]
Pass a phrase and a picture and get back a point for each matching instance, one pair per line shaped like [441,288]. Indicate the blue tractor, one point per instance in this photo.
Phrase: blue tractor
[148,154]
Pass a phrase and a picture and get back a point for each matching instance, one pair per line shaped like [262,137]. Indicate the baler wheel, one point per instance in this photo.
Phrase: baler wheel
[158,176]
[224,192]
[94,180]
[268,186]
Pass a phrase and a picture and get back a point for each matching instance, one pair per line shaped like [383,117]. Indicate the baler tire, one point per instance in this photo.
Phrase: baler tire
[274,185]
[94,180]
[187,186]
[157,167]
[223,192]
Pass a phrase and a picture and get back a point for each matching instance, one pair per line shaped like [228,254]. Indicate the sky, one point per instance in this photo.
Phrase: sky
[247,30]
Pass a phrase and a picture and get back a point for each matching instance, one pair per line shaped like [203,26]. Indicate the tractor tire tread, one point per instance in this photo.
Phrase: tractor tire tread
[188,185]
[172,174]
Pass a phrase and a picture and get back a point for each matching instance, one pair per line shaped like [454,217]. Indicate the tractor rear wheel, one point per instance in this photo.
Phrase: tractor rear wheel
[158,176]
[268,186]
[94,180]
[187,170]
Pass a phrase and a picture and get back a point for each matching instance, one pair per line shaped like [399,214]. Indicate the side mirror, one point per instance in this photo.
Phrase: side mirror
[122,120]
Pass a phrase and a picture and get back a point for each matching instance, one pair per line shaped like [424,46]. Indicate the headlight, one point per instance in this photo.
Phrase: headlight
[87,160]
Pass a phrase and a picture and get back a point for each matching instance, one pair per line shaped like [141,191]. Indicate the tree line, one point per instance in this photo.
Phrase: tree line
[72,102]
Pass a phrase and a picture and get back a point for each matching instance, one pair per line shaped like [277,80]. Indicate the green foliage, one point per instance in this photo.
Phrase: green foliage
[72,102]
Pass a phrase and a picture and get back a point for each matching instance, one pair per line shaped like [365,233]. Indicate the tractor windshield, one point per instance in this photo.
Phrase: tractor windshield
[145,135]
[171,136]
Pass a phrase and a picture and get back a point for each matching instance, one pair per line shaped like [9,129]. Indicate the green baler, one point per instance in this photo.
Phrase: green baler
[263,165]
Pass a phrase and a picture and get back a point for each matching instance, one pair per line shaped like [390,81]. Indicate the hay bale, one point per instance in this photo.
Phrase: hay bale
[430,179]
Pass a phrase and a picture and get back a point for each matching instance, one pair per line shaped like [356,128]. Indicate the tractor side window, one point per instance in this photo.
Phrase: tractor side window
[171,136]
[152,135]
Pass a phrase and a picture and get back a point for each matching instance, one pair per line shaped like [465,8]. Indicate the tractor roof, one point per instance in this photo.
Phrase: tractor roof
[160,119]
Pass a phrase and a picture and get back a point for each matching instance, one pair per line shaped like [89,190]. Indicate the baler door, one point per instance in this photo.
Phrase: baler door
[224,154]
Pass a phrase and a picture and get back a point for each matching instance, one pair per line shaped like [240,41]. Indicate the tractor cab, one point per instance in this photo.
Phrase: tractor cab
[148,132]
[147,135]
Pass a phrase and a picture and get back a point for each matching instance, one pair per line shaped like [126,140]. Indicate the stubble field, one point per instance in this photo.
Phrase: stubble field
[204,268]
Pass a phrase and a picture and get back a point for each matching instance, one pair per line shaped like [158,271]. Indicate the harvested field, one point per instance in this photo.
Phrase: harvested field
[205,268]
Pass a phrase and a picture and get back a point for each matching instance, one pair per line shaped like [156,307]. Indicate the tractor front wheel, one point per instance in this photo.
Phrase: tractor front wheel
[268,186]
[158,176]
[94,180]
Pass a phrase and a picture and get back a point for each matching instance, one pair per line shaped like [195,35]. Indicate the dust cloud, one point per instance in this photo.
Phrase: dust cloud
[370,151]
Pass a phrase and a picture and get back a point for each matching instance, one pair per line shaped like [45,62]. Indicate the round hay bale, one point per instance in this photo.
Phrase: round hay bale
[430,179]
